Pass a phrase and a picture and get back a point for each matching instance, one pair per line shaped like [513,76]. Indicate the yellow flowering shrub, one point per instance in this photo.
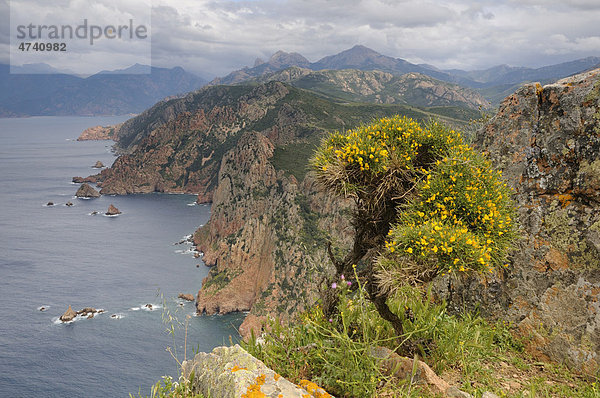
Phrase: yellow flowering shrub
[451,210]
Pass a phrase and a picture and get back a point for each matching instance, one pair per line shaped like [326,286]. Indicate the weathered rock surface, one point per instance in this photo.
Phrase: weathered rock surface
[231,372]
[100,133]
[112,211]
[266,237]
[86,191]
[546,140]
[68,316]
[186,296]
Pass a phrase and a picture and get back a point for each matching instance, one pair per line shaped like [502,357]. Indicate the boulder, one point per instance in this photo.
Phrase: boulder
[86,191]
[50,204]
[68,316]
[69,204]
[112,211]
[99,165]
[229,372]
[187,297]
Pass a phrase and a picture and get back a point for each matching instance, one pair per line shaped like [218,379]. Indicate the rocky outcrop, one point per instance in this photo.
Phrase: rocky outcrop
[68,316]
[266,236]
[98,165]
[186,296]
[100,133]
[112,211]
[86,191]
[546,140]
[231,372]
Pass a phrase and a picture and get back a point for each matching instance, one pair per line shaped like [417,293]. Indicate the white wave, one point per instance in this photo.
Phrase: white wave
[111,215]
[192,204]
[43,308]
[83,198]
[150,307]
[117,316]
[134,309]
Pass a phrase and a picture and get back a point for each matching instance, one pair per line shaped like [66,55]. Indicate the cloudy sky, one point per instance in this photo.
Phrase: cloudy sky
[215,37]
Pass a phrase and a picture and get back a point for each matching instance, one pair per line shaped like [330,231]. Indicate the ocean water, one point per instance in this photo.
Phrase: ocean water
[55,256]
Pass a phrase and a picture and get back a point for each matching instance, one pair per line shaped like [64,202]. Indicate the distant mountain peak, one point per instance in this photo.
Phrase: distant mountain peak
[284,59]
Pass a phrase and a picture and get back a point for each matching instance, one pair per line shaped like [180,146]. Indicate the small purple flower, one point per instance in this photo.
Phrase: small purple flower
[342,277]
[349,283]
[330,320]
[334,285]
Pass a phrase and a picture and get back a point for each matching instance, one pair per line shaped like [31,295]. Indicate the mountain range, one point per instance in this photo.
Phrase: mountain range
[105,93]
[358,74]
[493,83]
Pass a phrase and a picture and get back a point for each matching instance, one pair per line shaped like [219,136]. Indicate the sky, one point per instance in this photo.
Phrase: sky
[212,38]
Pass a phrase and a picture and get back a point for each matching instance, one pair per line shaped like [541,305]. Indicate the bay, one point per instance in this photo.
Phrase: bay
[55,256]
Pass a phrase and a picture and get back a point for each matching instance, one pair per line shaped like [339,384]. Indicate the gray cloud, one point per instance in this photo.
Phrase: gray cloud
[217,36]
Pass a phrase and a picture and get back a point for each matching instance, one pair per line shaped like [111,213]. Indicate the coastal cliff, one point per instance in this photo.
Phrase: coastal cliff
[266,237]
[246,148]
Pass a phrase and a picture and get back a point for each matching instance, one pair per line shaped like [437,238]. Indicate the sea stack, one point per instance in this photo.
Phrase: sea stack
[68,316]
[86,191]
[112,211]
[99,165]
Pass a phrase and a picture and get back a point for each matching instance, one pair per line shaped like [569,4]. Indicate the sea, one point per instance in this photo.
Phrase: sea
[133,266]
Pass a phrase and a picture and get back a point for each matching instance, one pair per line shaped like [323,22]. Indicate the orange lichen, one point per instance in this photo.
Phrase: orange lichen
[253,390]
[313,389]
[236,368]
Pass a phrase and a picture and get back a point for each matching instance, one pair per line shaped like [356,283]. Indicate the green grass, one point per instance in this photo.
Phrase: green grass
[467,351]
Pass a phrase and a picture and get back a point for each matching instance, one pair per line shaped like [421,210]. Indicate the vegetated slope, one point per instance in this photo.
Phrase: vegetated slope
[100,94]
[177,145]
[380,87]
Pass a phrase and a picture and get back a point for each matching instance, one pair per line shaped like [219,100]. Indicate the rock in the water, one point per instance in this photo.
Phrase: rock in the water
[112,211]
[68,316]
[81,180]
[69,204]
[149,306]
[94,213]
[86,191]
[50,204]
[99,165]
[187,297]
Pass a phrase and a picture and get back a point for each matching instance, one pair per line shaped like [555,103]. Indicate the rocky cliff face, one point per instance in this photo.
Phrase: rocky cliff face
[547,142]
[182,143]
[266,236]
